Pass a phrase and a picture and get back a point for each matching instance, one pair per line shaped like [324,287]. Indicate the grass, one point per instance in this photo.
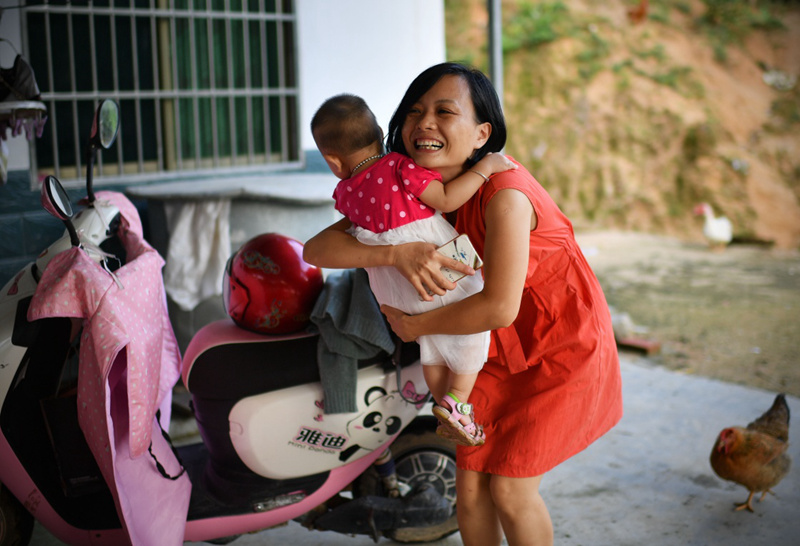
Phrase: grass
[590,59]
[535,24]
[728,22]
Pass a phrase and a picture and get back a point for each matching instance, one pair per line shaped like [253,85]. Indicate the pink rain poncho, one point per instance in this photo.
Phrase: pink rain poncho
[129,362]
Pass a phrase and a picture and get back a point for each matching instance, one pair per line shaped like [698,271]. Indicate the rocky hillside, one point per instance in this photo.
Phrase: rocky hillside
[629,124]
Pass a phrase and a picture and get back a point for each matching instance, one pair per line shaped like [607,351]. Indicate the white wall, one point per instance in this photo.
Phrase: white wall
[371,48]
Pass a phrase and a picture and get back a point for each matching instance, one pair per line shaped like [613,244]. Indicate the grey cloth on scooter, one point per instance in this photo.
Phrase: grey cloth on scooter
[351,328]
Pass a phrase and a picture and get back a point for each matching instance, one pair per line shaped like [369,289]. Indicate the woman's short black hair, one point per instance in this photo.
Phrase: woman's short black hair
[484,99]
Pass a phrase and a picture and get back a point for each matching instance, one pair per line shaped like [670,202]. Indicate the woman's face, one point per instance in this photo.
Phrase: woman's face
[440,131]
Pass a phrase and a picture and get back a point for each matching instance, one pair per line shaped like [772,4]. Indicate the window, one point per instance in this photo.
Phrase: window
[204,86]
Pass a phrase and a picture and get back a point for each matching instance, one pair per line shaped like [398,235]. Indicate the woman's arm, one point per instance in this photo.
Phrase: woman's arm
[509,220]
[334,248]
[420,263]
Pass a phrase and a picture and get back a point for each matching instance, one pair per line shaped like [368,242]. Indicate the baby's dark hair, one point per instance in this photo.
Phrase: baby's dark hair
[344,124]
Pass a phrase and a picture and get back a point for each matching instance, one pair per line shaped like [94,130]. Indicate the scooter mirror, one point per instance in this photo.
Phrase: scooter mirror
[55,200]
[105,125]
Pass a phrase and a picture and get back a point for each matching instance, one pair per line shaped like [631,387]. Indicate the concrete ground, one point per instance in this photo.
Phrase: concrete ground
[648,481]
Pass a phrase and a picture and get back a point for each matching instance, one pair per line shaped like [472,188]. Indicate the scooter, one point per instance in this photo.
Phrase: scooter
[268,453]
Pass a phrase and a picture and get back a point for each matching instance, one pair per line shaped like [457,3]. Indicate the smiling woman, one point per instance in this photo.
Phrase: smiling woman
[551,384]
[390,200]
[441,125]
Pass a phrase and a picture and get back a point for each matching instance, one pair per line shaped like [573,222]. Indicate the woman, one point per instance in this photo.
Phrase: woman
[552,383]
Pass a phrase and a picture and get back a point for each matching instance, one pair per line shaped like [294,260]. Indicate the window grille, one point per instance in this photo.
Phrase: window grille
[204,86]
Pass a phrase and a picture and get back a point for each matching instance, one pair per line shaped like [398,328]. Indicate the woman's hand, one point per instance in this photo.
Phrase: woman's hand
[398,323]
[421,265]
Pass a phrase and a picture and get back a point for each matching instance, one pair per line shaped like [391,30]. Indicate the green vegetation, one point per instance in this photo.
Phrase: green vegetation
[459,30]
[535,24]
[531,25]
[700,140]
[590,59]
[678,78]
[656,52]
[672,77]
[787,111]
[728,22]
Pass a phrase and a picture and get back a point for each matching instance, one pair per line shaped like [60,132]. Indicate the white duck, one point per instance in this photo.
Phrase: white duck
[718,230]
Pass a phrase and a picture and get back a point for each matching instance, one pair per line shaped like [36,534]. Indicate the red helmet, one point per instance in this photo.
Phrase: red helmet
[268,288]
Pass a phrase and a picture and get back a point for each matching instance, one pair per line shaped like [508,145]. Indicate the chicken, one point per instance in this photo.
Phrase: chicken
[637,14]
[718,230]
[755,457]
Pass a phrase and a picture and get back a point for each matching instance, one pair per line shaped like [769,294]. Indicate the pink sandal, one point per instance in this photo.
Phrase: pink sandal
[446,432]
[470,435]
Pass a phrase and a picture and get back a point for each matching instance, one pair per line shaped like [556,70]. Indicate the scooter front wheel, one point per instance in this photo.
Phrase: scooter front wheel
[420,456]
[16,523]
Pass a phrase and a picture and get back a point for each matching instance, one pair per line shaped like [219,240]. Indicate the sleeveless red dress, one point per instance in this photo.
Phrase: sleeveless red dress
[552,383]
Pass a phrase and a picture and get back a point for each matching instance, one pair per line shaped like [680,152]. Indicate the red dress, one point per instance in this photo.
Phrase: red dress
[552,383]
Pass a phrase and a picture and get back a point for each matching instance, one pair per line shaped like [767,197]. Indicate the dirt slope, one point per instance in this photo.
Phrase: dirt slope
[630,125]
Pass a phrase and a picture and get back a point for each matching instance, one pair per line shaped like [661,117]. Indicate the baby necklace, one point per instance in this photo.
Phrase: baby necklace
[364,163]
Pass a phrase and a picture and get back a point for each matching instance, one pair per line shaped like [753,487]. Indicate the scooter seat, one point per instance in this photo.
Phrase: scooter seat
[225,362]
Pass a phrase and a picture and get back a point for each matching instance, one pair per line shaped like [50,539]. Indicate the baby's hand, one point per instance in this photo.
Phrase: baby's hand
[494,163]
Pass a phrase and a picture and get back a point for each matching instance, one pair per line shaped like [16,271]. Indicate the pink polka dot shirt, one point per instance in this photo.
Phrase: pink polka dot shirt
[386,195]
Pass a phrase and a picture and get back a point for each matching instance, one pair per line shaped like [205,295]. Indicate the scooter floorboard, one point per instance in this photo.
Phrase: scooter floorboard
[215,494]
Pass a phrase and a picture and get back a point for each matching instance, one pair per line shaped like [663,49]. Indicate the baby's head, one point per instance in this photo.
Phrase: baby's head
[344,128]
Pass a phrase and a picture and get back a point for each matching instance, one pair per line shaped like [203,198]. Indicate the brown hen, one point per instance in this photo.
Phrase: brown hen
[755,457]
[638,13]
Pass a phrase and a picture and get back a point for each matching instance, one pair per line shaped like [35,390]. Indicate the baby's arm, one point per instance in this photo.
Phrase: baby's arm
[448,197]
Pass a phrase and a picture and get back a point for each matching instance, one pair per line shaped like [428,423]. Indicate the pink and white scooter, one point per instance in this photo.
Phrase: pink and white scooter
[268,454]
